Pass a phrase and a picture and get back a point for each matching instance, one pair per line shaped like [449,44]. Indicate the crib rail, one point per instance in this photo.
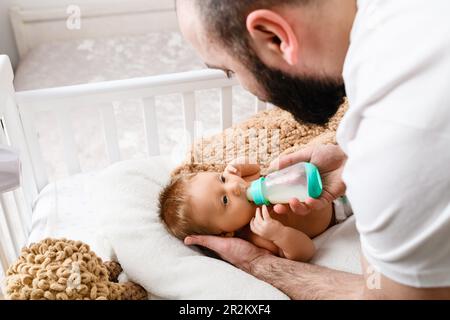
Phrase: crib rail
[103,95]
[15,206]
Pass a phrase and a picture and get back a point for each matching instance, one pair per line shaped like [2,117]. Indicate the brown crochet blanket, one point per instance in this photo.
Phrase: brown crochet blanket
[261,139]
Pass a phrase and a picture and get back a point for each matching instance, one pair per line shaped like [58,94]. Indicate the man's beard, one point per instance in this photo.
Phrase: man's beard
[309,100]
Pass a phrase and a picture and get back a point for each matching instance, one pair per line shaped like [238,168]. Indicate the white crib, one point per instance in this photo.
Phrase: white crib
[18,129]
[35,25]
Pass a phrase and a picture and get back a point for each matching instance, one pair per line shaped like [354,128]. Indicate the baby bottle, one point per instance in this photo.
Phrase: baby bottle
[301,180]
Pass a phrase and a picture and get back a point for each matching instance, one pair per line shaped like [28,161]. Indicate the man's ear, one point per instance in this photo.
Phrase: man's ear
[273,35]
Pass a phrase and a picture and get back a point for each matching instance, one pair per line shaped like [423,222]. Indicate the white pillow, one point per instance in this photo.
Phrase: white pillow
[125,197]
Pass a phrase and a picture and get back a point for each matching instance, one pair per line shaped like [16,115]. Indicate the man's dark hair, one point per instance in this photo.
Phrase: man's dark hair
[309,99]
[225,20]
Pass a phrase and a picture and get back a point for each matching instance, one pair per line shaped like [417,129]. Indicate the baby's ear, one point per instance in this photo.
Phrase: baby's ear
[227,234]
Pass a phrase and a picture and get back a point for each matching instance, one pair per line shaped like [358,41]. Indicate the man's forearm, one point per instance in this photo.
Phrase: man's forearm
[306,281]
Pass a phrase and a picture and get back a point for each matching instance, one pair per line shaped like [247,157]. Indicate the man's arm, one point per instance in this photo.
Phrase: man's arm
[297,280]
[306,281]
[303,281]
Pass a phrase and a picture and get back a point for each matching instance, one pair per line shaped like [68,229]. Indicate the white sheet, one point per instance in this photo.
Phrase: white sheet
[122,200]
[64,209]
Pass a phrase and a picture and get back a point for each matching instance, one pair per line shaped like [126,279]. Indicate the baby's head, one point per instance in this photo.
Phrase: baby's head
[205,203]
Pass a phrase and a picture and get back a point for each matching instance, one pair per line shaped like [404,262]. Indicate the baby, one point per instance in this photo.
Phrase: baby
[209,203]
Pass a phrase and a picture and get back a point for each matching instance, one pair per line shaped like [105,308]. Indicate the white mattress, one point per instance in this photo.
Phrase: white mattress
[93,60]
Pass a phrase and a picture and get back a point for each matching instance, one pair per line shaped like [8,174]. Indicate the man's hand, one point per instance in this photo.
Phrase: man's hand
[330,160]
[238,252]
[264,226]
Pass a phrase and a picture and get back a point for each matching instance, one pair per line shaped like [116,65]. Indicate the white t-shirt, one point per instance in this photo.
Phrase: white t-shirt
[397,137]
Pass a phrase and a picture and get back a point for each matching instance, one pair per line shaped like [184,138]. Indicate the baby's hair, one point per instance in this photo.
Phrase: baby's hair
[175,208]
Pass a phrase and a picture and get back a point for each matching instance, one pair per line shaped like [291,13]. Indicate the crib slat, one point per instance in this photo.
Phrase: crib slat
[189,116]
[24,215]
[226,107]
[39,170]
[68,139]
[3,258]
[16,133]
[3,139]
[5,245]
[16,217]
[151,126]
[260,106]
[110,132]
[9,224]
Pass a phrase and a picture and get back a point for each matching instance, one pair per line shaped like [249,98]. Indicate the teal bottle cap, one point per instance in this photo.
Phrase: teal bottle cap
[257,192]
[314,181]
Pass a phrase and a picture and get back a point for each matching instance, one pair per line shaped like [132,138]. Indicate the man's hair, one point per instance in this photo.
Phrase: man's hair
[175,208]
[226,20]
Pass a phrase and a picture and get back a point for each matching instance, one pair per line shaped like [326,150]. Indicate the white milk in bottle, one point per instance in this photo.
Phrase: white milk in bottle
[301,180]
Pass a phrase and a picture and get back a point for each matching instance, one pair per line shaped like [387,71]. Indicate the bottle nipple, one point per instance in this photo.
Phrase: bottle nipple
[255,192]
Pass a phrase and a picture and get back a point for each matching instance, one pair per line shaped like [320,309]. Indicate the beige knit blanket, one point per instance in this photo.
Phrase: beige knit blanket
[260,139]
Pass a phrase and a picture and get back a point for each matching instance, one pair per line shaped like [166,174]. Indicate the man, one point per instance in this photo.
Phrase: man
[392,161]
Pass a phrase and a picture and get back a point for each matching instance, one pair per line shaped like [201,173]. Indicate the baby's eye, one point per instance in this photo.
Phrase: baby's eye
[225,200]
[222,178]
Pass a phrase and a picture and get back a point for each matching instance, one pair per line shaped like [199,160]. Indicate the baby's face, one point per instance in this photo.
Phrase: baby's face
[219,202]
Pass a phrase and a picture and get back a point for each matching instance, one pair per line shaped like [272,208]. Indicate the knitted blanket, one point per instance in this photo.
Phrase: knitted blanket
[261,139]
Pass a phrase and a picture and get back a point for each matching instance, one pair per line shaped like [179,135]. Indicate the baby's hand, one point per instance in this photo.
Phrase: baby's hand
[233,169]
[242,168]
[264,226]
[235,166]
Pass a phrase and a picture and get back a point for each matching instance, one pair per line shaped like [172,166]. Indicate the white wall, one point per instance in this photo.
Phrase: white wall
[50,3]
[7,44]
